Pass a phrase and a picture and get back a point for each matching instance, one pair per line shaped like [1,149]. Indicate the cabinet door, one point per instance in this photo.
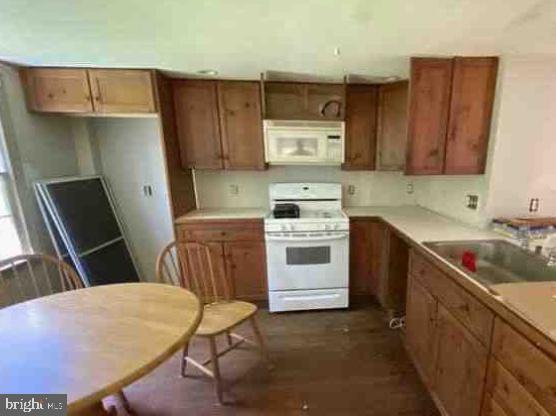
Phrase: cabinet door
[366,236]
[420,321]
[429,102]
[392,126]
[57,90]
[246,269]
[122,91]
[461,363]
[473,85]
[196,108]
[241,124]
[361,119]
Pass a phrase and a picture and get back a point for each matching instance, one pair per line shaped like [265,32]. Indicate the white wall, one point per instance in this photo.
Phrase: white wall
[524,162]
[39,146]
[129,154]
[447,196]
[371,188]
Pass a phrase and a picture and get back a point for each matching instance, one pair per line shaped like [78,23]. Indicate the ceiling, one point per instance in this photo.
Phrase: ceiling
[241,38]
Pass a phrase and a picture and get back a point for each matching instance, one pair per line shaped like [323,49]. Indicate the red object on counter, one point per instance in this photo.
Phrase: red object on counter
[469,261]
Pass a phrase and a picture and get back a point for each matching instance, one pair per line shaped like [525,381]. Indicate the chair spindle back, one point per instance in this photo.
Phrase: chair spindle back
[30,276]
[190,266]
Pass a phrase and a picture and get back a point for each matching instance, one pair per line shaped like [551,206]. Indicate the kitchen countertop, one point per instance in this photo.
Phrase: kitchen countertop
[416,224]
[223,214]
[420,224]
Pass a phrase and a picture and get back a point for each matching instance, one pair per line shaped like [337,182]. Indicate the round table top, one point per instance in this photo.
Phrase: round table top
[90,343]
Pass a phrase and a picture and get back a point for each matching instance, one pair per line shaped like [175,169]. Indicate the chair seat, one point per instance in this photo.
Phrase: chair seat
[222,316]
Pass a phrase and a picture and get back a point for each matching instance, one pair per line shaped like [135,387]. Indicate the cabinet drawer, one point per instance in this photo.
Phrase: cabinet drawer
[506,391]
[221,231]
[472,313]
[427,274]
[534,370]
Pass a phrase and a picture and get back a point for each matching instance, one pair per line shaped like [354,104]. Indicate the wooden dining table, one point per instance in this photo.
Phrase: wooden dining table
[90,343]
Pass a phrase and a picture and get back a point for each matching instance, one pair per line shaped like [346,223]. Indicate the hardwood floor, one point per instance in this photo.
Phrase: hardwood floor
[325,363]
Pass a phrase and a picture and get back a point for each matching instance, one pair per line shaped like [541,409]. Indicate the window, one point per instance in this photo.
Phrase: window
[10,240]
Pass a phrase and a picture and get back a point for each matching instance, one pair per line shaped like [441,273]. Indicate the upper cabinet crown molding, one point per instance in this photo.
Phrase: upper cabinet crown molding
[89,92]
[450,110]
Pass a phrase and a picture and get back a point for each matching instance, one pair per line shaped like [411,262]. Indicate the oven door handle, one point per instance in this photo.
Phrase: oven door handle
[307,239]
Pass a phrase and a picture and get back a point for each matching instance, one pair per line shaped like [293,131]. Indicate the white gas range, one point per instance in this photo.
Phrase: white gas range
[308,250]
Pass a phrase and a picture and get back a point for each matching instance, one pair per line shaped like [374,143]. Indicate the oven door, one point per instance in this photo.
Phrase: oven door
[307,261]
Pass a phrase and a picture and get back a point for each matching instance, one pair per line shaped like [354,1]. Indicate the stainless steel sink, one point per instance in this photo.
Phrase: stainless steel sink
[497,261]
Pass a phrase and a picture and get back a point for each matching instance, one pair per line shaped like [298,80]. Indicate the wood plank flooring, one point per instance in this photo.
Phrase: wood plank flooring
[325,363]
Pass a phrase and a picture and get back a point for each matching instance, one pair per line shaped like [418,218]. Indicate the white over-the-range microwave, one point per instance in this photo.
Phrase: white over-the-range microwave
[293,142]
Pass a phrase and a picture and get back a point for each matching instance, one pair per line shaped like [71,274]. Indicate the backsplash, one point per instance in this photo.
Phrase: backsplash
[447,196]
[237,189]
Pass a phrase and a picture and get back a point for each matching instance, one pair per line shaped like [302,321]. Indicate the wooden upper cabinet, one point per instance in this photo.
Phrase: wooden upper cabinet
[361,120]
[429,103]
[122,91]
[196,111]
[392,126]
[303,101]
[241,124]
[461,363]
[473,86]
[57,90]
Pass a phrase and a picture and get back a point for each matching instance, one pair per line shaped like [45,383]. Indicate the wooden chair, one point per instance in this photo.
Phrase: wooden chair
[29,276]
[189,265]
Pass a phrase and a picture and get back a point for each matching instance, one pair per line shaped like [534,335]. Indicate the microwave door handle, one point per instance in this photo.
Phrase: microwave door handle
[307,239]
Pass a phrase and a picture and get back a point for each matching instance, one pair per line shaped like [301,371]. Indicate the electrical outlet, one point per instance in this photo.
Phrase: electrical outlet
[409,188]
[534,204]
[234,189]
[472,201]
[351,189]
[147,191]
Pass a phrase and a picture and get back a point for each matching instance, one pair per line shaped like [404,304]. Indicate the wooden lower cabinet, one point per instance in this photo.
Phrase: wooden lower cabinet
[366,244]
[421,308]
[460,369]
[473,361]
[451,359]
[521,377]
[238,253]
[246,269]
